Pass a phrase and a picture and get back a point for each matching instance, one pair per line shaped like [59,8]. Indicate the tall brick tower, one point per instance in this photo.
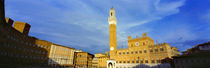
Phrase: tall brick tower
[2,11]
[112,33]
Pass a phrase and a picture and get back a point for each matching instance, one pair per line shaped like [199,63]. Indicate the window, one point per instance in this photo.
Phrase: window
[140,51]
[153,61]
[123,61]
[142,61]
[158,61]
[131,45]
[128,61]
[127,52]
[131,52]
[133,61]
[151,51]
[143,43]
[145,51]
[156,50]
[120,61]
[111,13]
[146,61]
[123,53]
[136,52]
[161,49]
[137,61]
[119,53]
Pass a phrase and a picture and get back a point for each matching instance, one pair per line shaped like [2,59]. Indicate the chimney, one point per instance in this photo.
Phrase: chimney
[9,21]
[2,11]
[22,27]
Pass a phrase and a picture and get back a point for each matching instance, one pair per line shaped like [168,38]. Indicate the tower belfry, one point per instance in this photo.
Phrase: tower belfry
[112,32]
[112,18]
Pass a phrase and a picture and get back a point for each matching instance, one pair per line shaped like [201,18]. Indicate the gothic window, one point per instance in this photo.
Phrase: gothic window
[142,61]
[137,61]
[151,51]
[133,61]
[140,52]
[145,51]
[119,53]
[111,13]
[156,50]
[153,61]
[161,49]
[143,43]
[146,61]
[158,61]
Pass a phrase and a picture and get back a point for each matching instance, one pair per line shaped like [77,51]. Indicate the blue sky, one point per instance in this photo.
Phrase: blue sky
[82,24]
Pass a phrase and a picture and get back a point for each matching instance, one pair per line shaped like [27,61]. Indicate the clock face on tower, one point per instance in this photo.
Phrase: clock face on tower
[112,48]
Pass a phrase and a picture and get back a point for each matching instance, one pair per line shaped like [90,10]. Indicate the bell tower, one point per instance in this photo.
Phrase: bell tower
[112,33]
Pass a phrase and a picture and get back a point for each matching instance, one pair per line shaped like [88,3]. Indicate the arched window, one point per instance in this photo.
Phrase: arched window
[143,43]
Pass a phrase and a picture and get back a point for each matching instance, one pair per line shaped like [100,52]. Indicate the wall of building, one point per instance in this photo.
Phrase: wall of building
[165,65]
[61,55]
[95,62]
[205,47]
[22,27]
[83,59]
[19,50]
[143,50]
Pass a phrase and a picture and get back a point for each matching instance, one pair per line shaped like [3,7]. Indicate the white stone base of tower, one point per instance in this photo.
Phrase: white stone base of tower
[111,63]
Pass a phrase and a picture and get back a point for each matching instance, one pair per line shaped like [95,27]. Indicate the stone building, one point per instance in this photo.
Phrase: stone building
[141,51]
[100,60]
[83,59]
[95,62]
[61,55]
[44,44]
[18,49]
[195,57]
